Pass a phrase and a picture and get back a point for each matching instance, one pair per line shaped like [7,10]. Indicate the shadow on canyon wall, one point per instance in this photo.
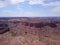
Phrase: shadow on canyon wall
[5,27]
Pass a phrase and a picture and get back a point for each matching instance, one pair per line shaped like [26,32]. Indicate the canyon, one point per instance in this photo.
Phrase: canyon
[29,31]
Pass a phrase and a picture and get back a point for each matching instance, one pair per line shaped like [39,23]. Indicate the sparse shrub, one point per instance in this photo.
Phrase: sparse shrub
[25,32]
[13,33]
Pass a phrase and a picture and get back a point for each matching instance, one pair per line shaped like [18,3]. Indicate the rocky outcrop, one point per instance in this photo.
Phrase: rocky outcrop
[3,28]
[40,25]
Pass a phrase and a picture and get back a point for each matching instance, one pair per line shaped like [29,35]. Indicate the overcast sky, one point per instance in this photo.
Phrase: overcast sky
[29,8]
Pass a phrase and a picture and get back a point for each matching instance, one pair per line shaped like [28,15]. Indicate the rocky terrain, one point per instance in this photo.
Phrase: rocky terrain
[29,31]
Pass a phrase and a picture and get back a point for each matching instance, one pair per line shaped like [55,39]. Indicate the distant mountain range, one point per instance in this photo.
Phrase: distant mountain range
[45,18]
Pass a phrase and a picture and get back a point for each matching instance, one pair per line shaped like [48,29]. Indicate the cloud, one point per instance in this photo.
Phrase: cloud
[10,13]
[42,2]
[52,4]
[55,4]
[4,3]
[56,9]
[16,1]
[32,2]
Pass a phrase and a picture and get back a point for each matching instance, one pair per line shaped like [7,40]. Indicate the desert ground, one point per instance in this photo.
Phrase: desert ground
[30,31]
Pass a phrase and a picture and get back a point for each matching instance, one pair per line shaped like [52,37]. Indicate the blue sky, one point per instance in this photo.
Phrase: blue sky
[29,8]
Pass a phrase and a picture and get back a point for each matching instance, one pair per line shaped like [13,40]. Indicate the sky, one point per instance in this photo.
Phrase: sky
[29,8]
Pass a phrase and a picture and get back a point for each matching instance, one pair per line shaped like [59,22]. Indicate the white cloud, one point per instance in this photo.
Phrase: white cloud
[32,2]
[52,4]
[2,4]
[55,4]
[56,9]
[10,13]
[7,2]
[16,1]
